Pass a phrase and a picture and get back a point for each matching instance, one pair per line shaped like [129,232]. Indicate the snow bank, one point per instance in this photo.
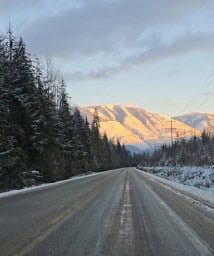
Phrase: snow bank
[204,195]
[200,177]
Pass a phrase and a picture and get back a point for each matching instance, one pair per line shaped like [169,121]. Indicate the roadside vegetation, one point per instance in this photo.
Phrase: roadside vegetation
[189,162]
[196,151]
[43,138]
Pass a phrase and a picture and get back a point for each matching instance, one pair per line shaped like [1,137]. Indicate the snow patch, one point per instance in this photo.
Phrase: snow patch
[200,177]
[202,195]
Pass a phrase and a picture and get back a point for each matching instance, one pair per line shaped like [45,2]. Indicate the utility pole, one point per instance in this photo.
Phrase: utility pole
[154,145]
[172,129]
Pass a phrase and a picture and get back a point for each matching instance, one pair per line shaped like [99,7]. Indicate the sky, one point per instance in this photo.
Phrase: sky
[158,55]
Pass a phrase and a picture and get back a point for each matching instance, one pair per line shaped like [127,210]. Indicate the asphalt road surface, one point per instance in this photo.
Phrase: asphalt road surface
[121,212]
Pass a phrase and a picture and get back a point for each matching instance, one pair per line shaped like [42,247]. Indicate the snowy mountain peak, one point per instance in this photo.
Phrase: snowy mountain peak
[201,121]
[109,106]
[137,126]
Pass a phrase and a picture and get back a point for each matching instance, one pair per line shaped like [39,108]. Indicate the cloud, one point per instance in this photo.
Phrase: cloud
[11,5]
[125,32]
[104,26]
[174,72]
[26,8]
[188,43]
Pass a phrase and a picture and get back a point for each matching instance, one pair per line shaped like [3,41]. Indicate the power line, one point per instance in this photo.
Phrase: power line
[198,93]
[202,103]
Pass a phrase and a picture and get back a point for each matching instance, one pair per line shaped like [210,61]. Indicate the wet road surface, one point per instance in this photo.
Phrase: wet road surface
[121,212]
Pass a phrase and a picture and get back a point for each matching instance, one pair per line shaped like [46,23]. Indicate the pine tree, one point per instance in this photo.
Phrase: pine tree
[50,158]
[67,140]
[87,142]
[106,153]
[11,154]
[96,140]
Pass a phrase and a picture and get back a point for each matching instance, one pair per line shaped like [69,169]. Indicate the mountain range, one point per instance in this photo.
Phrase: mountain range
[139,128]
[201,121]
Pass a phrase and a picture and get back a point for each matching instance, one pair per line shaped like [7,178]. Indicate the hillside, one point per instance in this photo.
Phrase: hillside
[136,126]
[201,121]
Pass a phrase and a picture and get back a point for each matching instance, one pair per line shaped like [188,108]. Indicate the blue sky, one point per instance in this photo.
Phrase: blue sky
[155,54]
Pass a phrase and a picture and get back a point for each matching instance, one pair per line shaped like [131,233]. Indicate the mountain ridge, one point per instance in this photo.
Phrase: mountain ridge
[137,126]
[201,121]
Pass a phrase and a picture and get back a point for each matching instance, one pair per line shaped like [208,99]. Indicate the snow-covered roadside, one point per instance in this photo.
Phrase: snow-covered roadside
[199,194]
[199,177]
[33,188]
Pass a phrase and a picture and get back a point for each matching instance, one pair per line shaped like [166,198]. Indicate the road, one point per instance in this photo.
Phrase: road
[121,212]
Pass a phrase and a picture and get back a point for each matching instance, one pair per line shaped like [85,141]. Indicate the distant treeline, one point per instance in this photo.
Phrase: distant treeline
[41,137]
[197,151]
